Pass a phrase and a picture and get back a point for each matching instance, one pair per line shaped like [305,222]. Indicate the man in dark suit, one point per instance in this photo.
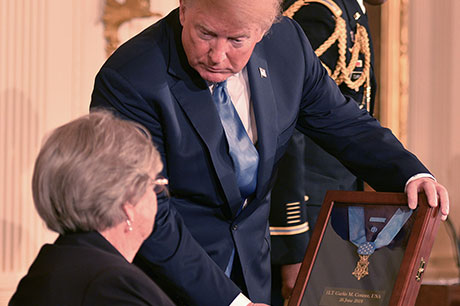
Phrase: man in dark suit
[211,239]
[336,30]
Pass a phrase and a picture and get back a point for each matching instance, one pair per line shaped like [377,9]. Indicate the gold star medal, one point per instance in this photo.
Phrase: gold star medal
[365,250]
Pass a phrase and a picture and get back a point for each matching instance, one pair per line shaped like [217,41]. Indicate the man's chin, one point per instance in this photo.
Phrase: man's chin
[213,77]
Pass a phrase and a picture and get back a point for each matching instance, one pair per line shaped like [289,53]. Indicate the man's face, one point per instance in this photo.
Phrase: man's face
[216,44]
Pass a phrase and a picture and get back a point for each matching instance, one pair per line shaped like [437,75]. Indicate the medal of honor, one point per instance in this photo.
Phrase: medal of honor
[361,267]
[366,248]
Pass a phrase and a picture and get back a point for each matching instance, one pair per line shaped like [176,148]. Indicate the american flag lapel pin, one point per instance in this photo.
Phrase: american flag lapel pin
[263,73]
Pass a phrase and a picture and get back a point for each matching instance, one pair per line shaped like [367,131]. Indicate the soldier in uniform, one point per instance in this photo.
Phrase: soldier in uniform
[339,33]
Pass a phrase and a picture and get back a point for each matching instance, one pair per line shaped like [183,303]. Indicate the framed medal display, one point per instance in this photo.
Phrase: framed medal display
[367,248]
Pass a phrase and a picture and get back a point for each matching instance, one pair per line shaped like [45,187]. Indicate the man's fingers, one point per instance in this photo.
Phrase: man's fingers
[444,200]
[412,195]
[431,193]
[436,194]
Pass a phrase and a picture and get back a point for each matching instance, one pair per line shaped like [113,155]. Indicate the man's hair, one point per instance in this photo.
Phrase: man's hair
[88,168]
[249,11]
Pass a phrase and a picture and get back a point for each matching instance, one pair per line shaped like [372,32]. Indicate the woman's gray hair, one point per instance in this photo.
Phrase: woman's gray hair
[88,168]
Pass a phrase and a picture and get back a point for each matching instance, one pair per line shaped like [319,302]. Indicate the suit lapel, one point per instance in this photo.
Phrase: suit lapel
[200,110]
[264,105]
[193,95]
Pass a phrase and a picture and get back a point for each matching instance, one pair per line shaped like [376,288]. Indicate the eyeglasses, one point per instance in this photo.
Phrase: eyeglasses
[159,185]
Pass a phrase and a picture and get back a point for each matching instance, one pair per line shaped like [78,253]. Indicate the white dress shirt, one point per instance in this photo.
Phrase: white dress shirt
[361,4]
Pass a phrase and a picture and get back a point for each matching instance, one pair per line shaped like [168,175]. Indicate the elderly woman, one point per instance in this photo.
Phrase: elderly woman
[95,183]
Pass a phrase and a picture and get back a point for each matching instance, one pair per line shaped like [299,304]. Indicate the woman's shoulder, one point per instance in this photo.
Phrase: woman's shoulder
[117,283]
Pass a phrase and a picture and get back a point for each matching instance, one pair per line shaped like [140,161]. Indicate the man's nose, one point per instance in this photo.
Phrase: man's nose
[218,51]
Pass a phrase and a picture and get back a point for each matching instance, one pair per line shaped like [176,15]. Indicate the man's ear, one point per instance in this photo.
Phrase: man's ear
[261,35]
[181,12]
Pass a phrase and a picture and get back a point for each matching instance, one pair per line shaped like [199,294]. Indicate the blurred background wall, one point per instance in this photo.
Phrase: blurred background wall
[434,109]
[50,51]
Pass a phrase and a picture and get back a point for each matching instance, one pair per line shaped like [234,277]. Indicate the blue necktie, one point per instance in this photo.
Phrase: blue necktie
[242,151]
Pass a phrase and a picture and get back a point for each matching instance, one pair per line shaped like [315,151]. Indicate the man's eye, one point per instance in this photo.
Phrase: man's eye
[237,42]
[206,35]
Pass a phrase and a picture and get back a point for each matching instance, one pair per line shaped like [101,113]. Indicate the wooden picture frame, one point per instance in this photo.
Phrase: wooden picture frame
[395,270]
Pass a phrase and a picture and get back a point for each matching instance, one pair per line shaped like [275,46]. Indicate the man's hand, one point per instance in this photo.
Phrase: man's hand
[435,194]
[288,276]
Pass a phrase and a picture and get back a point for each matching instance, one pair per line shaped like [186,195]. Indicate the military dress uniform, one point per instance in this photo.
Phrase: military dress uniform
[339,33]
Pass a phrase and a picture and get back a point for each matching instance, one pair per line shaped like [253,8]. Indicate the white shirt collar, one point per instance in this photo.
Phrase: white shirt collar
[361,4]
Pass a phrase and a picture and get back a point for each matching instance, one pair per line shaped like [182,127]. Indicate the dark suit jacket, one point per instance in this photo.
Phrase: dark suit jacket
[307,169]
[85,269]
[148,80]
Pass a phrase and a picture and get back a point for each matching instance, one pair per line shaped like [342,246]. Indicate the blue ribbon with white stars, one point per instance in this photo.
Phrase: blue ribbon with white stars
[357,230]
